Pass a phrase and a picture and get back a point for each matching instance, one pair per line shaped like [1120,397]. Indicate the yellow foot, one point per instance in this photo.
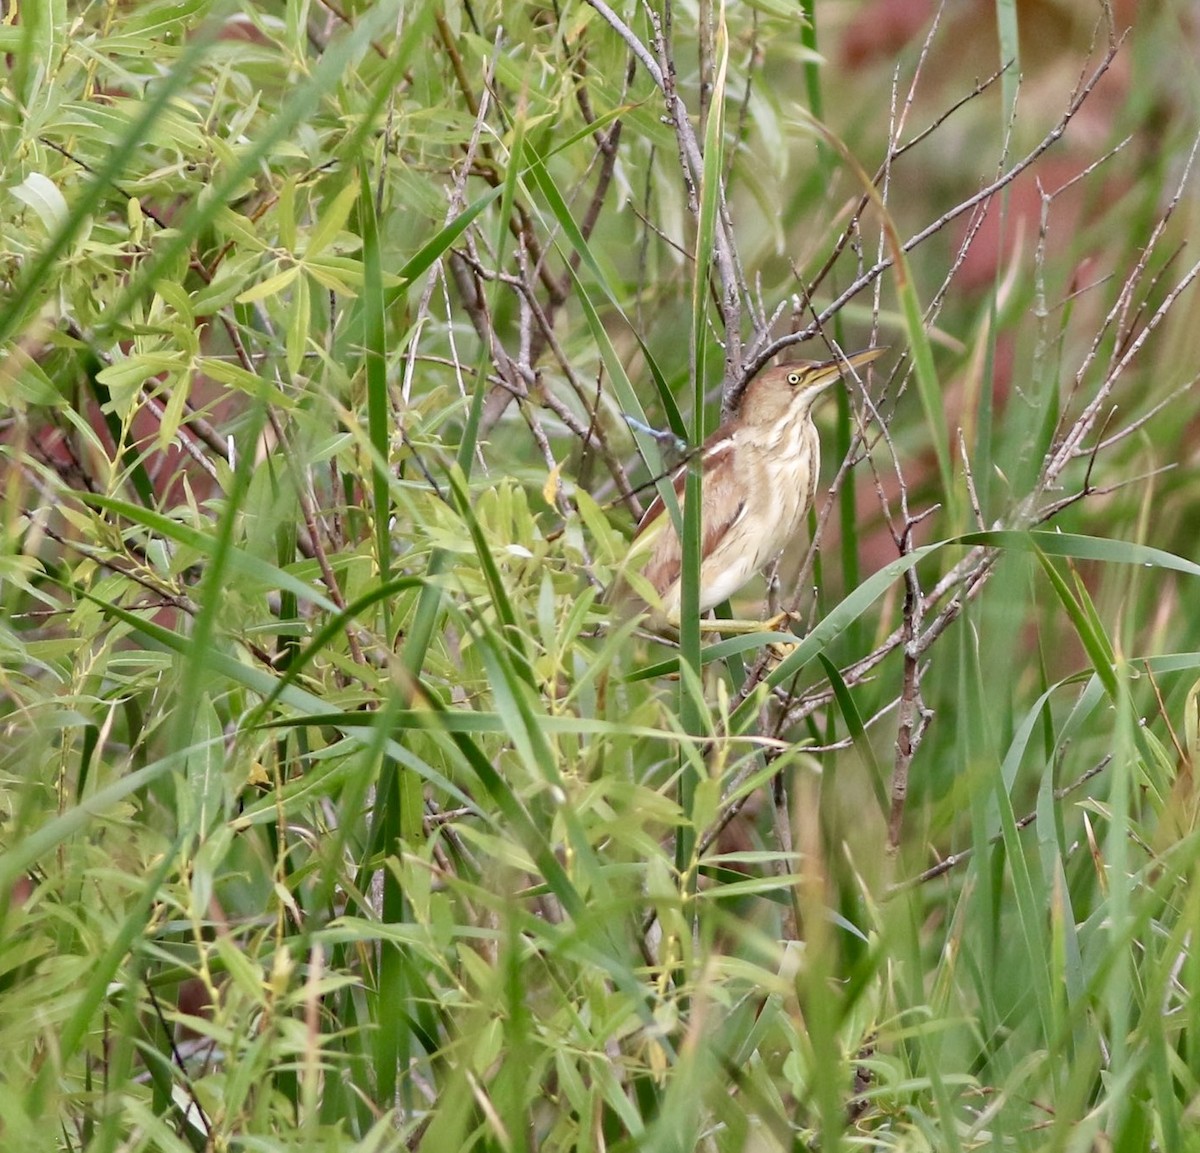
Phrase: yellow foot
[779,651]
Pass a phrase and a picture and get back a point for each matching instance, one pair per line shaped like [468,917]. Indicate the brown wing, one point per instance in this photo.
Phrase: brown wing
[722,500]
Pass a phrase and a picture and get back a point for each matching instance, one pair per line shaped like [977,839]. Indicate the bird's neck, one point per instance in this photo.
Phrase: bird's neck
[782,436]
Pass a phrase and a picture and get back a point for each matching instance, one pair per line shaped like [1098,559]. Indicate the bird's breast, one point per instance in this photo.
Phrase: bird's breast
[785,468]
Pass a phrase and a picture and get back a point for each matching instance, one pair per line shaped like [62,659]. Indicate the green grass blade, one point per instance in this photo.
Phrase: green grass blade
[374,353]
[858,734]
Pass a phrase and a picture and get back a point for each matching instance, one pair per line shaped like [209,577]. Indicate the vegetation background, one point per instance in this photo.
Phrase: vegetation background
[341,345]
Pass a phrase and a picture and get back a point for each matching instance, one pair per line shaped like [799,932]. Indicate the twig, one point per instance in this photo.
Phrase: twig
[955,859]
[725,254]
[1078,97]
[912,715]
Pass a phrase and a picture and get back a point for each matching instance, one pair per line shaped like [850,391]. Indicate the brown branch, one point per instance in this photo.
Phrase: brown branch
[955,859]
[912,717]
[1078,97]
[733,287]
[607,151]
[1063,450]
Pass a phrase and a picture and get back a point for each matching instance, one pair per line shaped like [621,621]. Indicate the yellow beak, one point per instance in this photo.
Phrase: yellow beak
[840,365]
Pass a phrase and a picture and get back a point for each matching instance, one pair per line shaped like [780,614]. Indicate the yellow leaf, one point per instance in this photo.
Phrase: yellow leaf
[258,775]
[550,488]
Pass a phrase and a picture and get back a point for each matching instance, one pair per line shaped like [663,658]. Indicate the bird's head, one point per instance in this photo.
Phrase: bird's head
[790,390]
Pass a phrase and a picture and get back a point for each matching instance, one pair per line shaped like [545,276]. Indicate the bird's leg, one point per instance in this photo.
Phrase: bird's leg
[743,627]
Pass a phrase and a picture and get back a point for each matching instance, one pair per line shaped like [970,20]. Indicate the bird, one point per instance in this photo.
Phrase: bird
[759,474]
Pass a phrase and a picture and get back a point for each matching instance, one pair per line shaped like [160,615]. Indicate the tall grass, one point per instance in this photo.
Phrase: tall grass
[341,811]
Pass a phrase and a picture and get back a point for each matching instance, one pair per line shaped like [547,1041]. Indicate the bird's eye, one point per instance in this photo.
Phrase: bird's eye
[793,378]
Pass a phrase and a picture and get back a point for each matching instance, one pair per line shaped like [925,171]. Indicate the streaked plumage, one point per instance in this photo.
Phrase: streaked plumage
[760,473]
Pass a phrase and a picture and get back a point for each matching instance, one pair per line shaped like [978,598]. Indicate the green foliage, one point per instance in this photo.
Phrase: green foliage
[339,810]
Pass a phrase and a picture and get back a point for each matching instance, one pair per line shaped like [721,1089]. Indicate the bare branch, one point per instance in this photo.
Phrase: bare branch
[1078,97]
[955,859]
[733,289]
